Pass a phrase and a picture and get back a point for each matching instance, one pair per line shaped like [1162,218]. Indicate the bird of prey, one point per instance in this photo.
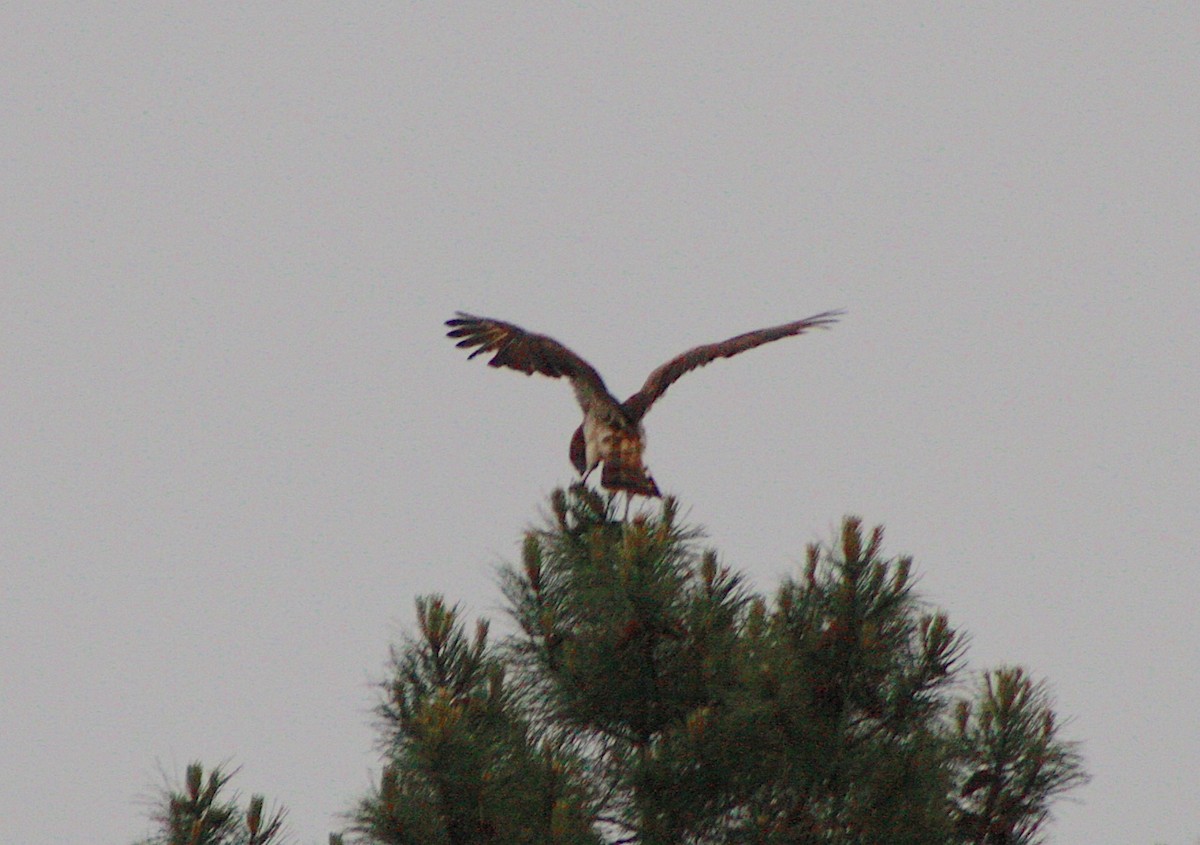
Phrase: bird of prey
[611,432]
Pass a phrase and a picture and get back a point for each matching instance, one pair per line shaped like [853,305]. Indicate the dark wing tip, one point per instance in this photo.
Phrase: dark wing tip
[462,318]
[825,318]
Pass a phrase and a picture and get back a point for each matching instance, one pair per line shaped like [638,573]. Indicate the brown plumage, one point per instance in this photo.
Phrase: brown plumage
[611,432]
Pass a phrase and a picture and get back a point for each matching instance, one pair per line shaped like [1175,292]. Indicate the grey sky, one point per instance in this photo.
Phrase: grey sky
[236,444]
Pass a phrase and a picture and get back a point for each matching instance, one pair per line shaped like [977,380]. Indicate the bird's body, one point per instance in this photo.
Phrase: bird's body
[618,444]
[611,433]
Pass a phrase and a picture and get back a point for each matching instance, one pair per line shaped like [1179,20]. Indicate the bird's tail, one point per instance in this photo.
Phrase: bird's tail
[619,473]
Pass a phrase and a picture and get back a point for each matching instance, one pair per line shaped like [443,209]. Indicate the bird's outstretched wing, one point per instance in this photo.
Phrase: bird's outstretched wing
[513,347]
[656,385]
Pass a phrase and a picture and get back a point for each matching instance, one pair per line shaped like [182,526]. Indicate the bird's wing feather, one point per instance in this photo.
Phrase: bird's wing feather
[639,403]
[513,347]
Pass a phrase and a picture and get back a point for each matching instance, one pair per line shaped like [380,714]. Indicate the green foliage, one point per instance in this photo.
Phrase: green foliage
[649,696]
[202,813]
[463,764]
[1011,761]
[849,679]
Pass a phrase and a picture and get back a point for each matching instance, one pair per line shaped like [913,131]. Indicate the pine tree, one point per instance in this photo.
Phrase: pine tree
[202,813]
[464,765]
[651,697]
[1011,760]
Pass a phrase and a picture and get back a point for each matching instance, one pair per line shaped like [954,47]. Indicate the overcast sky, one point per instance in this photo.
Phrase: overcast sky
[236,444]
